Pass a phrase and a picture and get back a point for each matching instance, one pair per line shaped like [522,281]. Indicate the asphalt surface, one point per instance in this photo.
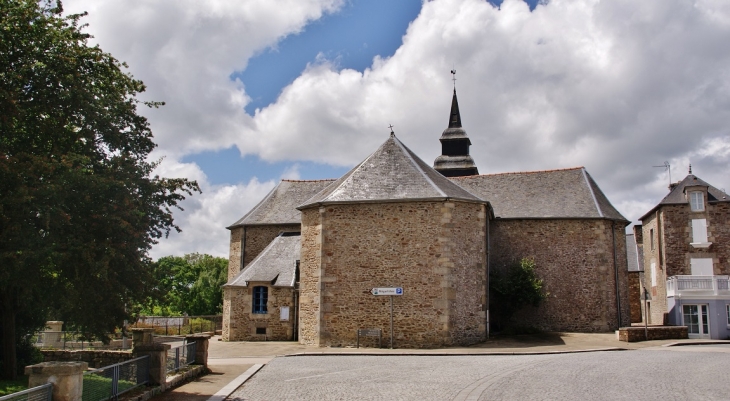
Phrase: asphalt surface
[657,373]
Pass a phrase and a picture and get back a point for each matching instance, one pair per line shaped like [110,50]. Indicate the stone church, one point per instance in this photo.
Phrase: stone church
[305,260]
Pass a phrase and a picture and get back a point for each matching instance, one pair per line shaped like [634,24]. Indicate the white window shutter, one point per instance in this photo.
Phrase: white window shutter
[701,266]
[699,231]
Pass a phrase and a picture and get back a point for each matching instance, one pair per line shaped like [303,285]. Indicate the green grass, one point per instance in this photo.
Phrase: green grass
[99,387]
[13,386]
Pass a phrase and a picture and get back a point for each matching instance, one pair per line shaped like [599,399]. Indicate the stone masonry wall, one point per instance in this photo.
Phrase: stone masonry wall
[575,260]
[239,323]
[234,252]
[434,250]
[673,240]
[309,272]
[635,289]
[95,358]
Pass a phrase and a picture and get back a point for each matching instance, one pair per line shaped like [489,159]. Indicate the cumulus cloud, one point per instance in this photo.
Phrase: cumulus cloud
[616,86]
[206,215]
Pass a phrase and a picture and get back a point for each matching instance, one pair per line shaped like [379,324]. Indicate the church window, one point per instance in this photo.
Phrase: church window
[260,297]
[651,238]
[696,201]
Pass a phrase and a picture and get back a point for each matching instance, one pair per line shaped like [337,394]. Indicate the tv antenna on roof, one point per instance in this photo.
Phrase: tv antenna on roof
[667,167]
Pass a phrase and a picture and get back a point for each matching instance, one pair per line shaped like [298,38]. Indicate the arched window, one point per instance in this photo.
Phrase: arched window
[260,297]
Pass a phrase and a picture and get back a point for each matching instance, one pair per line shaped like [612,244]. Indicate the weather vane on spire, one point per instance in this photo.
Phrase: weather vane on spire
[453,77]
[391,130]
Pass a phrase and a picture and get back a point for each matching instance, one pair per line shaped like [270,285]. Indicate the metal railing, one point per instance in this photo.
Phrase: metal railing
[180,325]
[180,357]
[705,285]
[40,393]
[111,381]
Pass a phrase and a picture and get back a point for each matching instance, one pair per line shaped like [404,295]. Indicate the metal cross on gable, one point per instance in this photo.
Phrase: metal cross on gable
[391,129]
[453,77]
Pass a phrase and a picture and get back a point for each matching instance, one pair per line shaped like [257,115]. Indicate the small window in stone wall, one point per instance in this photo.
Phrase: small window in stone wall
[651,238]
[261,330]
[260,298]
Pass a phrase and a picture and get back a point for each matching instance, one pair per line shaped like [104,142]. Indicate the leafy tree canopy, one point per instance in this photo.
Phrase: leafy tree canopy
[79,205]
[514,288]
[188,285]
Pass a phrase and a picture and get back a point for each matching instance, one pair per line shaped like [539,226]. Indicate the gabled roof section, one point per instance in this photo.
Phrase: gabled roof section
[276,264]
[677,195]
[280,205]
[392,173]
[566,193]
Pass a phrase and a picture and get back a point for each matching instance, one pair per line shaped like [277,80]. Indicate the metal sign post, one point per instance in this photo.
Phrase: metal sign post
[391,291]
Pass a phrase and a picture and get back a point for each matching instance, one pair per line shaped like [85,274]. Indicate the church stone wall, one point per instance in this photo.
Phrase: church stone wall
[434,250]
[575,260]
[240,324]
[309,276]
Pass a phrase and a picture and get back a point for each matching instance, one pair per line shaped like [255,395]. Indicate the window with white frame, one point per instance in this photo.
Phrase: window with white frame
[699,231]
[696,201]
[653,274]
[701,266]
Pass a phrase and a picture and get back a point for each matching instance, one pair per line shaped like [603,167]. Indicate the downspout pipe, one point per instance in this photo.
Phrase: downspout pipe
[488,252]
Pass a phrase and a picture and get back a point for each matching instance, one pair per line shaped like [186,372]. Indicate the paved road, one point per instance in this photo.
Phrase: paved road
[675,373]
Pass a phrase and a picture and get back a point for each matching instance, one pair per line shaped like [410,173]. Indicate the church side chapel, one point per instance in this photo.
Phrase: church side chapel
[305,260]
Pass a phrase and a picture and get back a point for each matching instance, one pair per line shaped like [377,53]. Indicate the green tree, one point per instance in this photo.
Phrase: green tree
[188,285]
[512,289]
[79,205]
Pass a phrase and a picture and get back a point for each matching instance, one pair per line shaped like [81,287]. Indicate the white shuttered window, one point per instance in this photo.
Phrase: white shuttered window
[699,231]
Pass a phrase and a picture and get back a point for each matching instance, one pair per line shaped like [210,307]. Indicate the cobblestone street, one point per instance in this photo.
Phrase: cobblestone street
[675,373]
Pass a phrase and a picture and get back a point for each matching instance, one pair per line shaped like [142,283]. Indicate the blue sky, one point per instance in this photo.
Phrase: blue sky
[351,37]
[615,86]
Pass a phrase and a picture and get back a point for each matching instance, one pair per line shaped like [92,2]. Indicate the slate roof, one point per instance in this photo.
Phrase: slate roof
[566,193]
[634,255]
[391,173]
[677,196]
[280,205]
[276,264]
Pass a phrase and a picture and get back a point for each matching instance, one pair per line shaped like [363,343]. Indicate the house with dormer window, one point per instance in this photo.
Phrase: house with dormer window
[687,252]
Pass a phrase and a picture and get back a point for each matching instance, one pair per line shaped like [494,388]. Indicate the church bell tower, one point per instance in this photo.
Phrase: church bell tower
[455,160]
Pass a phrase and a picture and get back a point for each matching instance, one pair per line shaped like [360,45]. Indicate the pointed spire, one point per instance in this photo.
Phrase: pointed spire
[455,160]
[455,117]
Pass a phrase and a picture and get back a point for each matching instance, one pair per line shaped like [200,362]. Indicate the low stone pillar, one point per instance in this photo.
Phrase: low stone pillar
[201,347]
[142,336]
[158,361]
[54,325]
[67,378]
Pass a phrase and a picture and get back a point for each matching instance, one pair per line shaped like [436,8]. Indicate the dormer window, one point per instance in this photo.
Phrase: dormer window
[696,201]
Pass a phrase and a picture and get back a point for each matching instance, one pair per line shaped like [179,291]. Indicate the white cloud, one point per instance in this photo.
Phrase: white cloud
[617,86]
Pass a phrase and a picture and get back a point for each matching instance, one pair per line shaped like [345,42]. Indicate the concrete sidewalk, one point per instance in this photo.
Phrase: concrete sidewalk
[231,363]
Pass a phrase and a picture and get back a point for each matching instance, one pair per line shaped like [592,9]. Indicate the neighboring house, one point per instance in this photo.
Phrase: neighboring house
[635,260]
[394,221]
[686,244]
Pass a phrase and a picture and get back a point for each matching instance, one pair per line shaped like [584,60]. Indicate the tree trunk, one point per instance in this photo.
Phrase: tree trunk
[10,370]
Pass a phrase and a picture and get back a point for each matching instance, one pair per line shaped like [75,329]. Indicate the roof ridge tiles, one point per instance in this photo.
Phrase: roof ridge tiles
[523,172]
[318,180]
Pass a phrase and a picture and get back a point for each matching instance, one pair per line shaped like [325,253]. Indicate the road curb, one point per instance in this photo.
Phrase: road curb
[496,353]
[229,388]
[704,342]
